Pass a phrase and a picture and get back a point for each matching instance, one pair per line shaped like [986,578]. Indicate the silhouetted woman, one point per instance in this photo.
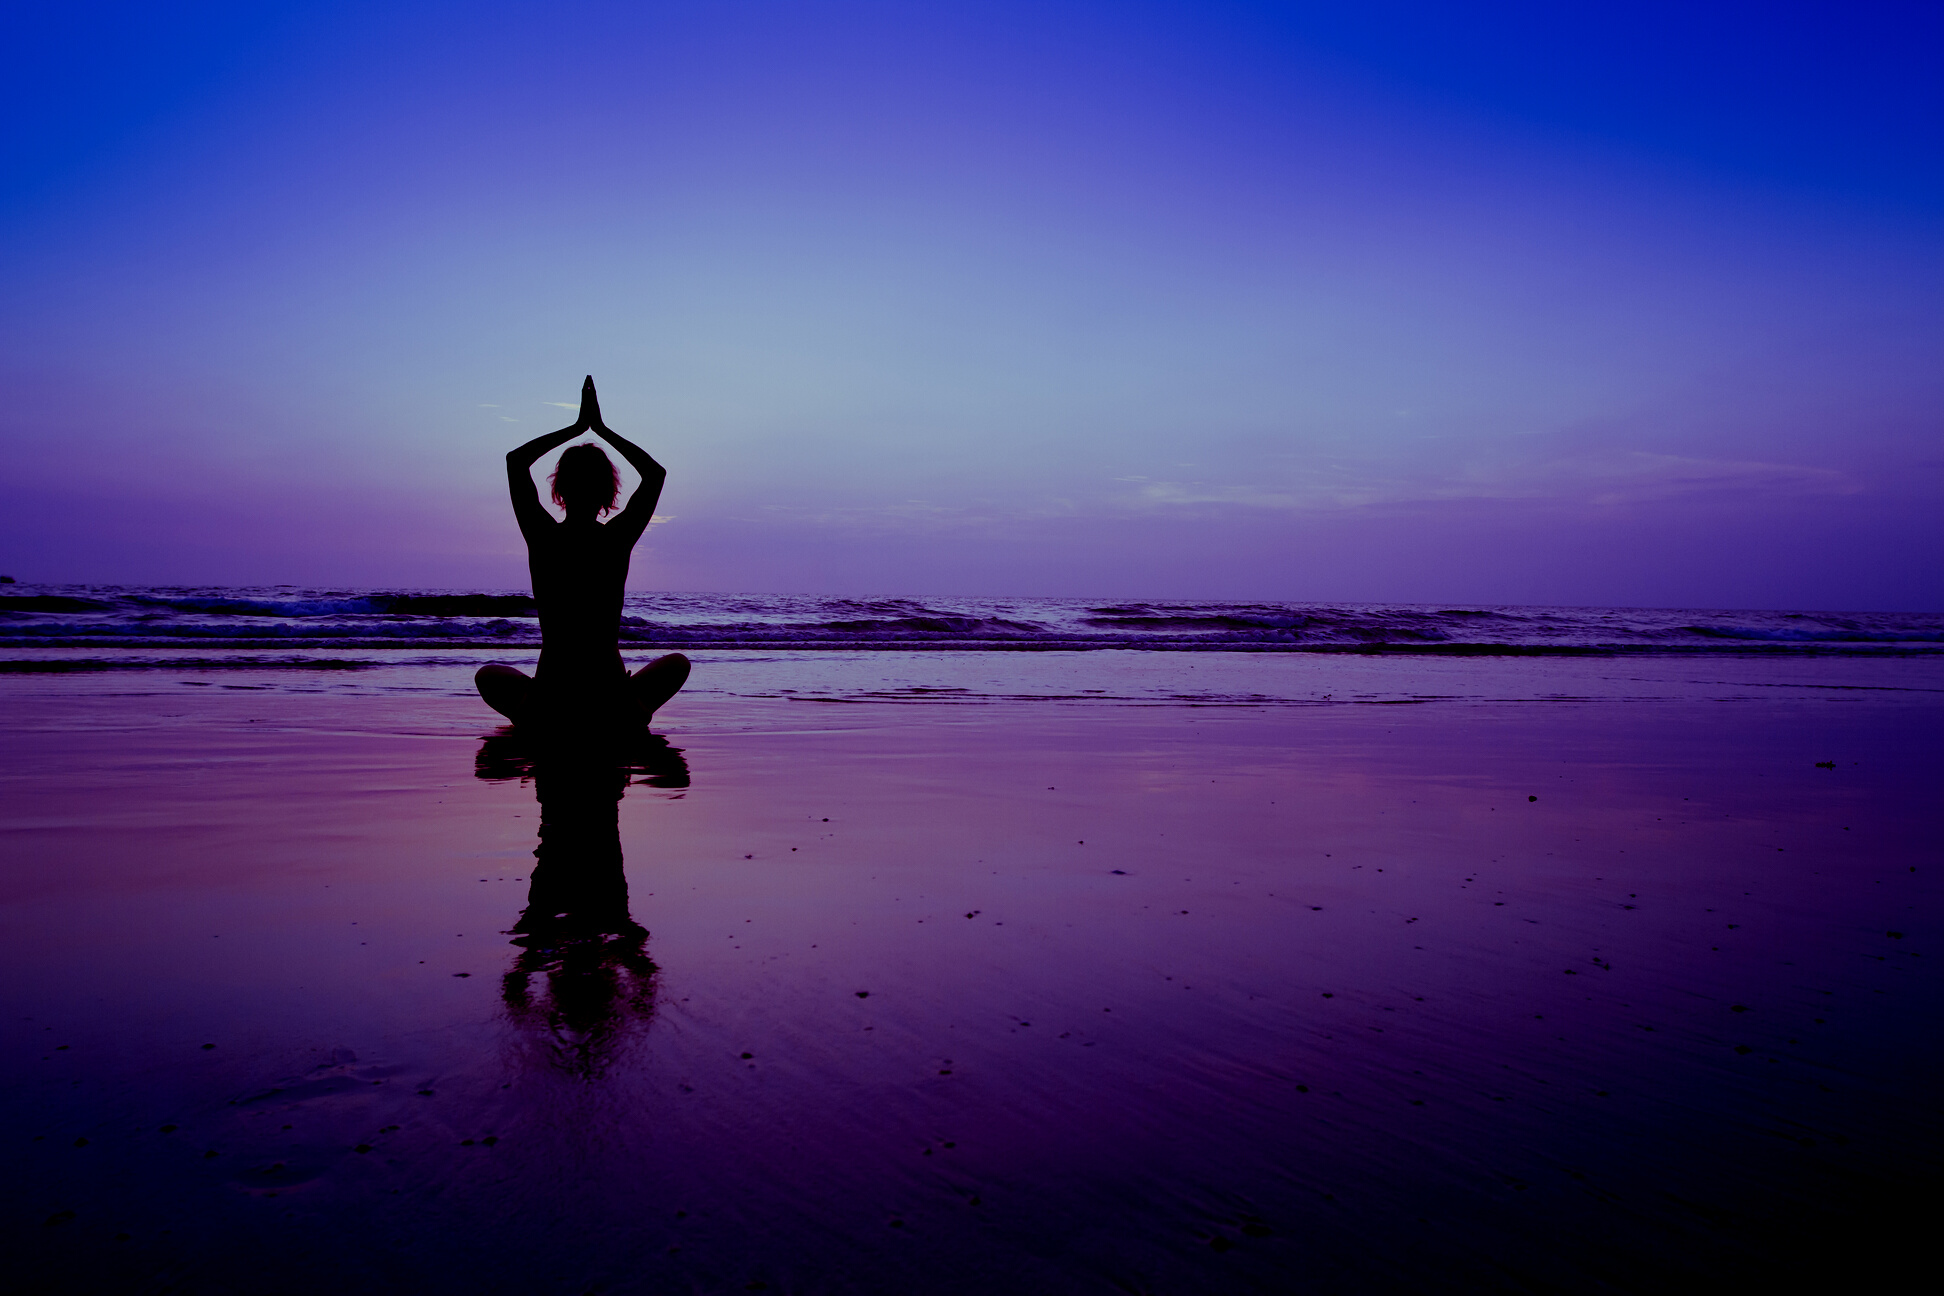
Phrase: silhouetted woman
[579,567]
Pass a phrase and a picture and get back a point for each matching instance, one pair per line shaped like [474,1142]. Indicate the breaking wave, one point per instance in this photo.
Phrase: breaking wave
[53,616]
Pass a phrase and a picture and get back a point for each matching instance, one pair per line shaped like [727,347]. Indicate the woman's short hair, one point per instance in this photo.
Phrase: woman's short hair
[586,473]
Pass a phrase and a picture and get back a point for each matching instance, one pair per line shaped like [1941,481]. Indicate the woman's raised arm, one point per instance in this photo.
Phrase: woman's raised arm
[520,461]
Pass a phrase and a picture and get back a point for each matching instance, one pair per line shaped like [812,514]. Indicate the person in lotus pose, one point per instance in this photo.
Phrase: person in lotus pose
[579,566]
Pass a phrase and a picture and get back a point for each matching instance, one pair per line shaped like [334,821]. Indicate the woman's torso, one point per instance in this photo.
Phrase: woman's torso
[579,574]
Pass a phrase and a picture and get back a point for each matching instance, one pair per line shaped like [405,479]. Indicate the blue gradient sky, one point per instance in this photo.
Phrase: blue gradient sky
[1488,302]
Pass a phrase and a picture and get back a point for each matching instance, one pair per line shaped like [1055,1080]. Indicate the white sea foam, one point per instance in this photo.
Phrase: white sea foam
[74,615]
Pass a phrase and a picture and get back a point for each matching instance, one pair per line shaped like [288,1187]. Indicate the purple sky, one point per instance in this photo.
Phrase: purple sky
[1637,304]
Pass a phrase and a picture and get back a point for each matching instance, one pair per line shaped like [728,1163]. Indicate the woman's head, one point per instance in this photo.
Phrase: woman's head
[585,478]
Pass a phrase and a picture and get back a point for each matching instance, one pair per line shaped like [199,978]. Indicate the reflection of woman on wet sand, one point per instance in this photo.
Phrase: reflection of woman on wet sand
[583,982]
[579,567]
[576,931]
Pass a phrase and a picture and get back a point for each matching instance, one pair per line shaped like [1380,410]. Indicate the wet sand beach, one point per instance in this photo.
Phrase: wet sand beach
[919,987]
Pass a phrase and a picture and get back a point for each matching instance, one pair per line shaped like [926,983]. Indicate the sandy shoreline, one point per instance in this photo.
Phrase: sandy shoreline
[1248,996]
[936,676]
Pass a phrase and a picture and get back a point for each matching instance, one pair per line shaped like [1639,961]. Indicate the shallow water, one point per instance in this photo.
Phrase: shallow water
[1037,995]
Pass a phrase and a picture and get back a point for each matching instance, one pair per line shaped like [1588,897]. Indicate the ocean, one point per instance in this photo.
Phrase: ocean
[132,616]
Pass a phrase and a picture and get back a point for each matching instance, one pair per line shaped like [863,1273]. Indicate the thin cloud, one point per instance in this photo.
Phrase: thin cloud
[1601,480]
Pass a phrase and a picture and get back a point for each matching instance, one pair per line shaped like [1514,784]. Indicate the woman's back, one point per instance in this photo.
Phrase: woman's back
[579,575]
